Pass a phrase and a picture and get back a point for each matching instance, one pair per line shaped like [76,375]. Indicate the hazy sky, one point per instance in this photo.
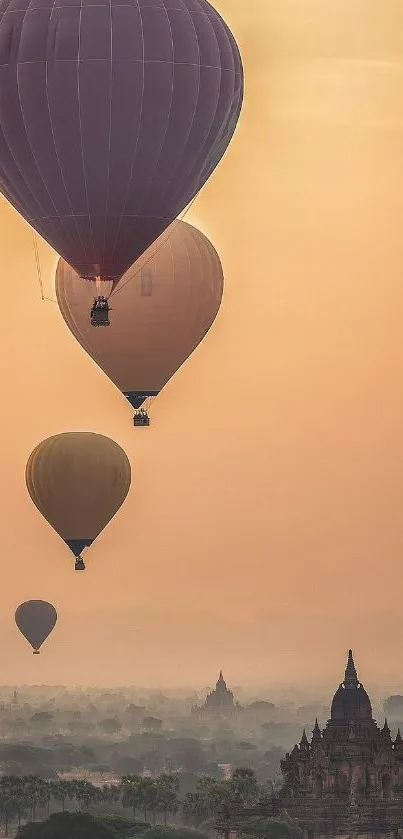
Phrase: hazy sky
[264,529]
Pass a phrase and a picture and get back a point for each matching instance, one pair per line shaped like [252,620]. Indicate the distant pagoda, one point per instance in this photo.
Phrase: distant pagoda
[218,701]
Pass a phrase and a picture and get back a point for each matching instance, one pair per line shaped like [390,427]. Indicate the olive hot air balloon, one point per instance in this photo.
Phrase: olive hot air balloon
[161,311]
[35,620]
[78,481]
[113,116]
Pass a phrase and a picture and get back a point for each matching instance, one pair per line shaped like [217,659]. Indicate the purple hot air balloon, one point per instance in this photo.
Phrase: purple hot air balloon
[113,114]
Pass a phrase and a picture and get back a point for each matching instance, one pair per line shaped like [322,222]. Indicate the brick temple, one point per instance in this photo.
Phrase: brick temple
[346,780]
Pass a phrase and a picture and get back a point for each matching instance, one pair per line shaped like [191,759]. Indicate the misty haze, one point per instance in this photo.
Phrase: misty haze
[201,367]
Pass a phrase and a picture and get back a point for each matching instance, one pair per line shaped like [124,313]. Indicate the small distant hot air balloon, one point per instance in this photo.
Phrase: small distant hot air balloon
[163,308]
[35,620]
[113,116]
[78,480]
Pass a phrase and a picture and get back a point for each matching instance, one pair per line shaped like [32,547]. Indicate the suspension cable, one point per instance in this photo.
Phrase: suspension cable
[38,268]
[129,279]
[38,264]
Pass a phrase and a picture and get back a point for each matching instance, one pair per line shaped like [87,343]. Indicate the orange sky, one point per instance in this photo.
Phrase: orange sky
[264,530]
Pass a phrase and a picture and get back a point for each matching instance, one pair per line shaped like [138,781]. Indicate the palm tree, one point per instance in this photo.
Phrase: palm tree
[150,796]
[130,787]
[34,793]
[46,797]
[7,807]
[61,791]
[109,793]
[167,794]
[84,793]
[15,787]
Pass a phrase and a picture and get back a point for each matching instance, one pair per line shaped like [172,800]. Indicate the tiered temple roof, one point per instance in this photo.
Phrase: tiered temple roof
[220,700]
[346,779]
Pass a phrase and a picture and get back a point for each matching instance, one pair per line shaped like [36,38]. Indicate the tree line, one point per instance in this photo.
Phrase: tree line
[155,800]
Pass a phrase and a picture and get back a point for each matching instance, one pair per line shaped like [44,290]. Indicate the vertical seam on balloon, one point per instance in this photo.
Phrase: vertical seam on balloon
[25,126]
[135,150]
[209,250]
[196,237]
[53,445]
[110,130]
[189,263]
[182,9]
[219,93]
[236,55]
[17,166]
[151,178]
[81,127]
[210,288]
[35,457]
[17,203]
[217,261]
[47,218]
[200,152]
[186,10]
[170,243]
[220,135]
[55,144]
[8,180]
[199,302]
[196,309]
[185,287]
[211,260]
[37,485]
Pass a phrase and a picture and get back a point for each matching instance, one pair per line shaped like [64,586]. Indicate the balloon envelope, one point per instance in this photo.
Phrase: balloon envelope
[161,311]
[113,116]
[78,481]
[35,620]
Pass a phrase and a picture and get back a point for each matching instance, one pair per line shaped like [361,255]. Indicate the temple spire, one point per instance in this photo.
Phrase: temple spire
[219,699]
[386,732]
[316,734]
[221,684]
[350,676]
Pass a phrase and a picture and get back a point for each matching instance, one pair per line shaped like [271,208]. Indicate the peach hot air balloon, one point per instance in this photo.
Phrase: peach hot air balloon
[161,310]
[78,481]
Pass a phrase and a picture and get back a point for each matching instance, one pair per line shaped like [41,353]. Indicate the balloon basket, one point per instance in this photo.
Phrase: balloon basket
[36,652]
[79,565]
[141,420]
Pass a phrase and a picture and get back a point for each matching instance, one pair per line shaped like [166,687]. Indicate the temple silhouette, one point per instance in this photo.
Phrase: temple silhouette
[218,701]
[351,757]
[346,780]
